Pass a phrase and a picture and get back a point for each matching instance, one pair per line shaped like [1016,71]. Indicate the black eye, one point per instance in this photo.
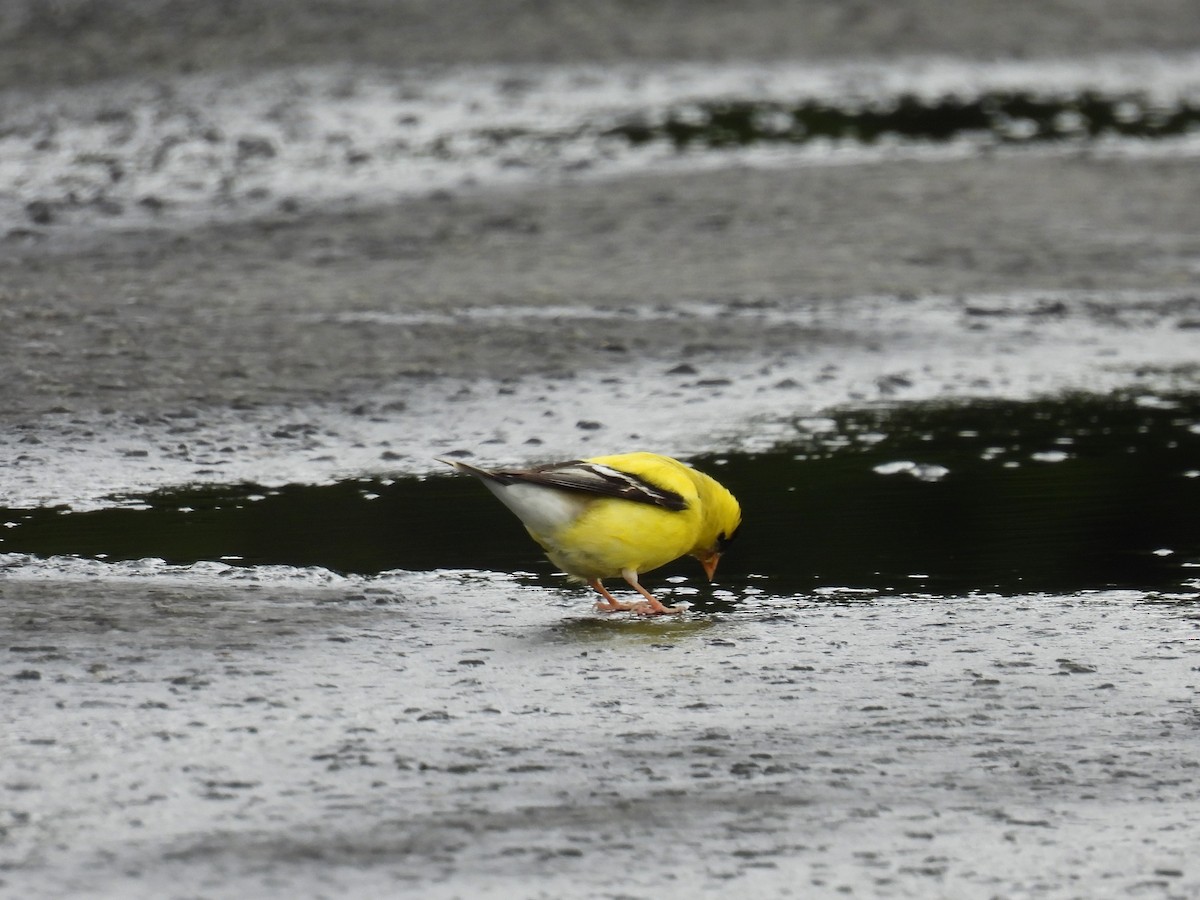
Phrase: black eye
[723,542]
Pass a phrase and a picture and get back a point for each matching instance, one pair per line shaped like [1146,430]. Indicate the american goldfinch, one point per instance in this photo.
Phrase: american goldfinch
[618,515]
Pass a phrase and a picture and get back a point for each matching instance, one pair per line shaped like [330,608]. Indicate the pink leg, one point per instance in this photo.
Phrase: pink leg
[611,603]
[651,607]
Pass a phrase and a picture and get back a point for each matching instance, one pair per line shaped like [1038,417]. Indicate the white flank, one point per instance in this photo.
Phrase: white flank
[544,510]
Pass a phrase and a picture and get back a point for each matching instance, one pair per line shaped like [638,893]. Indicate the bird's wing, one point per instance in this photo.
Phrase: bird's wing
[594,478]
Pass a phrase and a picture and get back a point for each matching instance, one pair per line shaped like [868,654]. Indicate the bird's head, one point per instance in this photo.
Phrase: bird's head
[722,517]
[711,556]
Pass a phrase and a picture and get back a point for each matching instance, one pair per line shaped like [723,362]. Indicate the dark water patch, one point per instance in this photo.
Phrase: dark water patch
[1076,494]
[1058,496]
[1007,117]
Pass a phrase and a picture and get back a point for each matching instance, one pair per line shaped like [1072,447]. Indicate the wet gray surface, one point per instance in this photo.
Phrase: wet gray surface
[75,40]
[217,732]
[460,736]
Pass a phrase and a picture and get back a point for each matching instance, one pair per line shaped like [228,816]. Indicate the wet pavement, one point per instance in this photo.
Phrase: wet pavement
[461,735]
[921,288]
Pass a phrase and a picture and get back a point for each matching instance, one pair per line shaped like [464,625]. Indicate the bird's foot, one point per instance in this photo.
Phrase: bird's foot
[617,606]
[657,609]
[651,606]
[608,603]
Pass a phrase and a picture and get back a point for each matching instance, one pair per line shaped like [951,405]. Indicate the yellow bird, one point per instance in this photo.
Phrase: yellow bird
[618,515]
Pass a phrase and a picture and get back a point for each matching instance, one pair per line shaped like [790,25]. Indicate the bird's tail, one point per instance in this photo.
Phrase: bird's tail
[467,468]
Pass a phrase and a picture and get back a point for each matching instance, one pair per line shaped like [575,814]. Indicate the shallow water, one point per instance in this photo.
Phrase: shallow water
[1004,117]
[1064,495]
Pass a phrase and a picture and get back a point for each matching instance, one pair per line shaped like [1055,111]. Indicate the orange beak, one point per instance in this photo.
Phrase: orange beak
[709,563]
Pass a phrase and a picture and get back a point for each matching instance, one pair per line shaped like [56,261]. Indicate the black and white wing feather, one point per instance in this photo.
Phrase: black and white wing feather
[583,477]
[593,478]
